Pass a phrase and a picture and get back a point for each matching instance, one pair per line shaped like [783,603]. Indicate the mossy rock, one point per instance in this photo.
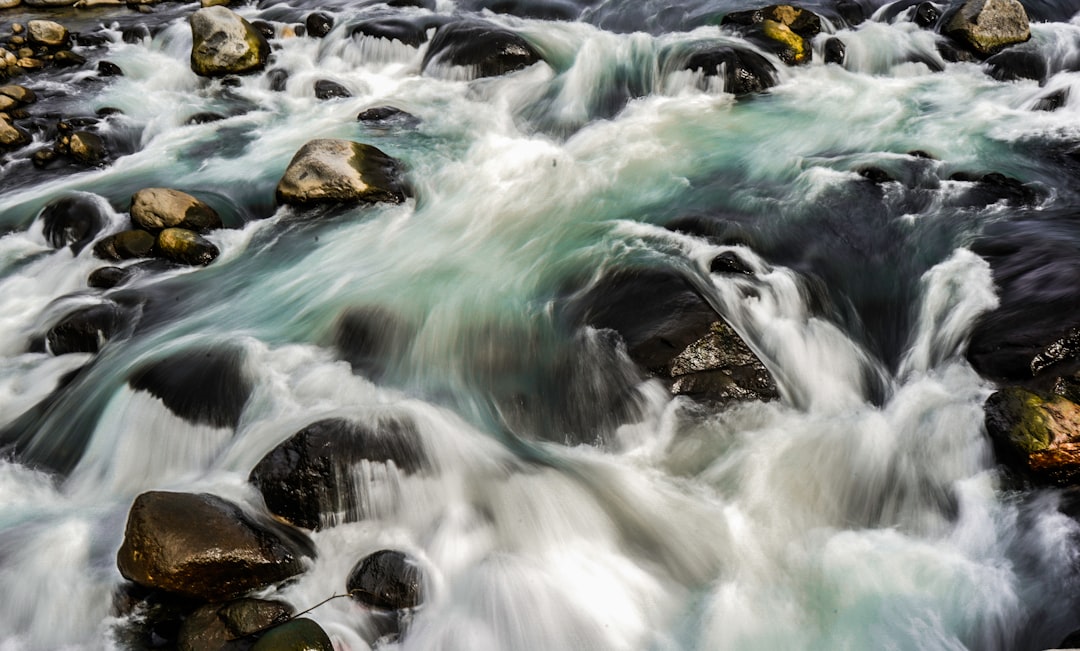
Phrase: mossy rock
[224,43]
[186,247]
[1036,434]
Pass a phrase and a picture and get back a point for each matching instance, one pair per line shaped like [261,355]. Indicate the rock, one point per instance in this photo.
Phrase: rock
[785,30]
[125,245]
[326,89]
[264,28]
[300,634]
[835,51]
[214,626]
[385,115]
[7,104]
[1036,434]
[785,43]
[721,368]
[484,49]
[149,618]
[85,329]
[851,12]
[1014,64]
[368,337]
[224,43]
[72,221]
[47,33]
[107,277]
[204,547]
[87,148]
[11,136]
[729,262]
[926,15]
[1065,349]
[186,247]
[319,24]
[988,26]
[1052,101]
[20,94]
[744,70]
[393,29]
[109,69]
[334,171]
[874,174]
[277,79]
[308,479]
[68,59]
[386,580]
[154,209]
[43,158]
[992,188]
[213,3]
[10,4]
[205,385]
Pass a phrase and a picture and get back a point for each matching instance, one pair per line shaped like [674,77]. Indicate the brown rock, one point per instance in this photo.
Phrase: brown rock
[48,33]
[186,247]
[87,148]
[154,209]
[988,26]
[125,245]
[20,94]
[223,43]
[11,136]
[1035,433]
[332,171]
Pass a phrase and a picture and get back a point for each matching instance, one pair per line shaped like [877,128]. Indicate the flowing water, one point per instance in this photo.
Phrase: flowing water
[862,510]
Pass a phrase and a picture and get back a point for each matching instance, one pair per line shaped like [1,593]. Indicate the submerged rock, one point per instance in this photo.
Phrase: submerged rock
[186,247]
[85,329]
[154,209]
[387,115]
[835,51]
[411,33]
[214,627]
[206,385]
[484,49]
[1035,433]
[369,337]
[72,221]
[224,43]
[326,89]
[310,478]
[336,171]
[125,245]
[301,634]
[205,547]
[744,70]
[319,24]
[988,26]
[386,580]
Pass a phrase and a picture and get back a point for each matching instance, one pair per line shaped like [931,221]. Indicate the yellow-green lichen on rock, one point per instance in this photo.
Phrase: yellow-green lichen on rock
[795,48]
[1035,433]
[224,43]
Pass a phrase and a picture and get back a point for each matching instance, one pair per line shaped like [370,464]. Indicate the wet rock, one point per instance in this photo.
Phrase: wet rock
[213,3]
[44,158]
[744,70]
[384,115]
[264,28]
[309,479]
[21,94]
[874,174]
[87,148]
[68,59]
[47,33]
[214,626]
[277,79]
[785,30]
[186,247]
[729,262]
[319,24]
[1063,350]
[206,385]
[85,329]
[135,34]
[393,29]
[204,547]
[11,136]
[1014,64]
[988,26]
[150,618]
[926,15]
[336,171]
[205,118]
[835,51]
[484,49]
[721,368]
[1036,434]
[72,221]
[326,89]
[851,12]
[109,69]
[369,337]
[107,277]
[224,43]
[301,634]
[386,580]
[154,209]
[1052,101]
[994,187]
[125,245]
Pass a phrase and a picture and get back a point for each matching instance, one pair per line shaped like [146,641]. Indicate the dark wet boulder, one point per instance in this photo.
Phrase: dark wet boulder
[1036,434]
[301,634]
[784,30]
[874,174]
[411,33]
[85,329]
[326,89]
[309,480]
[835,51]
[1052,101]
[721,368]
[109,69]
[205,385]
[264,28]
[149,618]
[386,580]
[370,337]
[850,12]
[73,221]
[387,116]
[107,277]
[202,546]
[186,247]
[217,627]
[341,171]
[87,148]
[988,26]
[484,49]
[993,187]
[1014,64]
[125,245]
[68,59]
[729,262]
[744,70]
[926,15]
[224,43]
[154,209]
[278,79]
[318,24]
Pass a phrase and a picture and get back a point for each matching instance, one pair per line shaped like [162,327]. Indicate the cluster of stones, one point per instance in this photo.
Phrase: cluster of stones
[37,44]
[13,100]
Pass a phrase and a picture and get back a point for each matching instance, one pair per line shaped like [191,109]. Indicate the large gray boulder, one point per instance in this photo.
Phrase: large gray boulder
[341,171]
[154,209]
[204,547]
[224,43]
[987,26]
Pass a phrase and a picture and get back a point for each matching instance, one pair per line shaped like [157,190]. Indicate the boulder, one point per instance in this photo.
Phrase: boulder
[308,479]
[85,329]
[411,33]
[319,24]
[21,94]
[1015,64]
[224,43]
[301,634]
[483,49]
[744,70]
[68,59]
[107,277]
[11,136]
[341,171]
[326,89]
[125,245]
[72,221]
[214,627]
[186,247]
[926,15]
[205,547]
[387,115]
[87,148]
[1036,434]
[785,30]
[386,580]
[205,385]
[720,368]
[154,209]
[47,33]
[988,26]
[835,51]
[1052,101]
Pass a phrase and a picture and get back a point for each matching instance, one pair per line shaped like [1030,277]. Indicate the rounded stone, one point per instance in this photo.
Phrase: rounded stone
[125,245]
[334,171]
[48,33]
[154,209]
[300,634]
[186,247]
[224,43]
[87,148]
[386,580]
